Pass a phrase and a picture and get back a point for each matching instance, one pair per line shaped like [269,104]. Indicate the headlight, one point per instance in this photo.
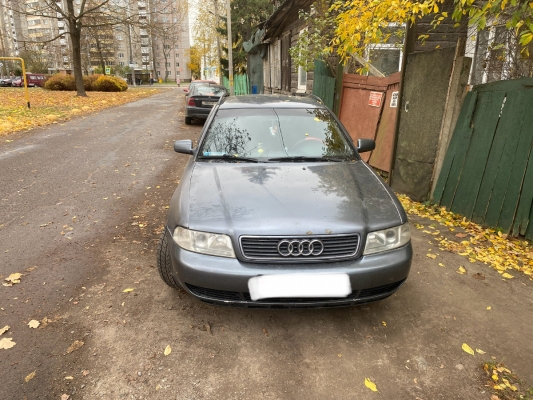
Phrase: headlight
[387,239]
[203,242]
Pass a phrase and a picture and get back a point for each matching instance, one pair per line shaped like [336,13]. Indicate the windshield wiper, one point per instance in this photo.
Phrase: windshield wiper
[228,157]
[304,158]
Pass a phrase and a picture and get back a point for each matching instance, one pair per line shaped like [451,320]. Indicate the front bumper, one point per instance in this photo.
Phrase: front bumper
[224,281]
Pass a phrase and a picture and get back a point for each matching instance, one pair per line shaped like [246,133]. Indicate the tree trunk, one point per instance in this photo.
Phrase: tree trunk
[100,55]
[75,39]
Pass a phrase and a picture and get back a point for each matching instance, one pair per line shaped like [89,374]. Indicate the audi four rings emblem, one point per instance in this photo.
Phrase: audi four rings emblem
[300,247]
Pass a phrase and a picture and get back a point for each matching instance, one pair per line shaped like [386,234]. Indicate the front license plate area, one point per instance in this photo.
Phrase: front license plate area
[299,285]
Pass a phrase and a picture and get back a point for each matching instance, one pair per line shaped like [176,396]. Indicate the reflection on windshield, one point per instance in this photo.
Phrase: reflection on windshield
[226,137]
[275,133]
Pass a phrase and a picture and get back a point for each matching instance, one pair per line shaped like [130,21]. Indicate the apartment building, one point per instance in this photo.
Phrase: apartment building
[155,42]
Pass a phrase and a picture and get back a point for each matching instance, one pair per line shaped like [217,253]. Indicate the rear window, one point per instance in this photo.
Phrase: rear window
[209,91]
[268,133]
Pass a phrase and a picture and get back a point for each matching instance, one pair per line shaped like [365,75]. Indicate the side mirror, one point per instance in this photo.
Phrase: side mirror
[364,145]
[183,146]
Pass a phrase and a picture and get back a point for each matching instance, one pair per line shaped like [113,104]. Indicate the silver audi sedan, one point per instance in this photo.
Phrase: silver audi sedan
[276,209]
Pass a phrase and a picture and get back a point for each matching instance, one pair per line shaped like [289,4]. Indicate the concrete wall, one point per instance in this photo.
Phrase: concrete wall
[427,77]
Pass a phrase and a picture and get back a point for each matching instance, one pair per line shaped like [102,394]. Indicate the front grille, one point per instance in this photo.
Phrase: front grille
[244,299]
[265,248]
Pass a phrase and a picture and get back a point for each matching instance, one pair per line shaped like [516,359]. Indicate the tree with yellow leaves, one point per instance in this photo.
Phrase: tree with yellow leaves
[358,24]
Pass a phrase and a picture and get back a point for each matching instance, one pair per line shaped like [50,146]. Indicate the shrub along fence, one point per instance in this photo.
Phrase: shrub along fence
[487,174]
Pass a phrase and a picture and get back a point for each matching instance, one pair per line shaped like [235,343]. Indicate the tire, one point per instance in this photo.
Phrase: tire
[188,120]
[164,263]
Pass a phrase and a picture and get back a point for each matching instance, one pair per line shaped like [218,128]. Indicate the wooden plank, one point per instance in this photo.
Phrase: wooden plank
[518,172]
[508,86]
[329,92]
[529,230]
[454,158]
[485,121]
[525,205]
[509,156]
[510,123]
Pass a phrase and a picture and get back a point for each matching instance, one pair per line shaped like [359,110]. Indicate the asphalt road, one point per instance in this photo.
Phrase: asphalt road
[81,208]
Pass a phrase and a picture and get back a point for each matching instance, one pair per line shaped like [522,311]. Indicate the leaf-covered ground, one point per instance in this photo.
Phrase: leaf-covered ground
[491,247]
[52,107]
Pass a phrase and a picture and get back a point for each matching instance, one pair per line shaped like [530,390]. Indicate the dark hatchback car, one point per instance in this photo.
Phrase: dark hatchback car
[201,99]
[276,209]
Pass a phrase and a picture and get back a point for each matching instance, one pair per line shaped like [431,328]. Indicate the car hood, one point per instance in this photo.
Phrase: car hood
[289,199]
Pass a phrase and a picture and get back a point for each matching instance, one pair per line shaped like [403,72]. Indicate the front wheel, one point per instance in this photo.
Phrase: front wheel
[164,263]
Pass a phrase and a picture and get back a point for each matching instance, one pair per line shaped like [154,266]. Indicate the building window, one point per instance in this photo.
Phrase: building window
[387,57]
[177,64]
[176,47]
[167,46]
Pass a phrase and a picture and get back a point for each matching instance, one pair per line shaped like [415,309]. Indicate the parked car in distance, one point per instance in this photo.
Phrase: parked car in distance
[197,82]
[6,82]
[35,79]
[201,99]
[31,79]
[276,208]
[17,82]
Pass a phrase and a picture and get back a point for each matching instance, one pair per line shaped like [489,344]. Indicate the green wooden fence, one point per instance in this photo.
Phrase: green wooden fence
[487,174]
[240,84]
[323,83]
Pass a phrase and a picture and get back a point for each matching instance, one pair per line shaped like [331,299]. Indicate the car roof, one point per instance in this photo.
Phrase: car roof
[271,101]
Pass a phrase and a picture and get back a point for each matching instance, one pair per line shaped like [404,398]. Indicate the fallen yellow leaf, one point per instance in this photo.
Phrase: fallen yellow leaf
[371,385]
[466,348]
[461,270]
[4,329]
[75,346]
[489,308]
[167,351]
[433,256]
[12,279]
[7,343]
[29,377]
[34,324]
[480,351]
[128,290]
[507,276]
[384,323]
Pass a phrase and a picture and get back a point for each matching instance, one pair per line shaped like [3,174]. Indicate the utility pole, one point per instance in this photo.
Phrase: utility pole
[230,50]
[218,43]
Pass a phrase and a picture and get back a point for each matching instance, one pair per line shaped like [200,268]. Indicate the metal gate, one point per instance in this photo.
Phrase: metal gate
[487,174]
[368,109]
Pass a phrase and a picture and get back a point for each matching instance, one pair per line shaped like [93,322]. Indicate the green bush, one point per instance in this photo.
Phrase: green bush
[88,81]
[60,82]
[109,84]
[97,83]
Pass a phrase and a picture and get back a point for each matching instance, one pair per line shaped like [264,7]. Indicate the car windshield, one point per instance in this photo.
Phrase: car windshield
[276,135]
[209,91]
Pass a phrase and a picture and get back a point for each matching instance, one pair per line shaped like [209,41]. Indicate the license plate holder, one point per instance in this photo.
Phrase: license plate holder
[299,286]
